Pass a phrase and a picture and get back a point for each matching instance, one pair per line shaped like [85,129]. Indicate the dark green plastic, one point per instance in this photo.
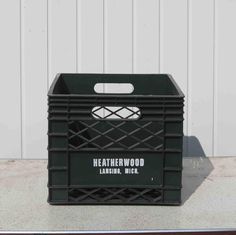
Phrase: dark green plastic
[77,140]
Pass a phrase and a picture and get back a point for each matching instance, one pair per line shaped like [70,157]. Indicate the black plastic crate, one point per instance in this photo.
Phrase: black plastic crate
[107,148]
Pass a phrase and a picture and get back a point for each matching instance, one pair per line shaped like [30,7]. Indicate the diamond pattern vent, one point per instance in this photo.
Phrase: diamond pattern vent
[121,135]
[115,195]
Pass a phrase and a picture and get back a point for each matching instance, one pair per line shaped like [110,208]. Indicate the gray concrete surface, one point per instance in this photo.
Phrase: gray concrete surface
[209,201]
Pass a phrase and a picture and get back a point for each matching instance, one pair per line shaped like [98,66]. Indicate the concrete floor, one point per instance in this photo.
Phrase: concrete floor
[209,201]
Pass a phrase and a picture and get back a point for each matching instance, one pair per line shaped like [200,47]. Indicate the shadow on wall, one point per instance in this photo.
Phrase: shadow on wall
[196,167]
[194,147]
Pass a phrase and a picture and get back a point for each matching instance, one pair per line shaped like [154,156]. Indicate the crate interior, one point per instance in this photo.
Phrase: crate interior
[143,84]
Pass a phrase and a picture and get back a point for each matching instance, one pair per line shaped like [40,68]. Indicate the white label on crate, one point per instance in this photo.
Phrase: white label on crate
[118,166]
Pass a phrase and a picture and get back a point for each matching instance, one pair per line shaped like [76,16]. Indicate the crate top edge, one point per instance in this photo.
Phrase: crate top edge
[57,77]
[113,96]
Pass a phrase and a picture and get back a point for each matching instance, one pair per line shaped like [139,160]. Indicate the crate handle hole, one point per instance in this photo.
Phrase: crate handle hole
[114,88]
[116,112]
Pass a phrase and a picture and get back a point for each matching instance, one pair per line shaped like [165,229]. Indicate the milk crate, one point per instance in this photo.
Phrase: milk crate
[115,139]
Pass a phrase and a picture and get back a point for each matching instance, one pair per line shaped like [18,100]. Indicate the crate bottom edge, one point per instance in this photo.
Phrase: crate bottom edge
[57,203]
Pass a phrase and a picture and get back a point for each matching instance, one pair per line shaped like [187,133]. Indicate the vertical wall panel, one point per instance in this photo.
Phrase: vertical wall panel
[10,120]
[225,91]
[90,36]
[174,46]
[146,36]
[118,36]
[185,38]
[200,107]
[62,37]
[34,78]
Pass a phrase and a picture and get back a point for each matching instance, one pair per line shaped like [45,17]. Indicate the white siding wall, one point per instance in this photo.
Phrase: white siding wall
[194,40]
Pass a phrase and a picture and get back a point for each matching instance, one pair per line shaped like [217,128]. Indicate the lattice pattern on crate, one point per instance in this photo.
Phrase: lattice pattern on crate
[124,135]
[115,195]
[116,112]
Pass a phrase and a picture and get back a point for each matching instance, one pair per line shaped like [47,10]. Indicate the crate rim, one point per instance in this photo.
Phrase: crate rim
[51,89]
